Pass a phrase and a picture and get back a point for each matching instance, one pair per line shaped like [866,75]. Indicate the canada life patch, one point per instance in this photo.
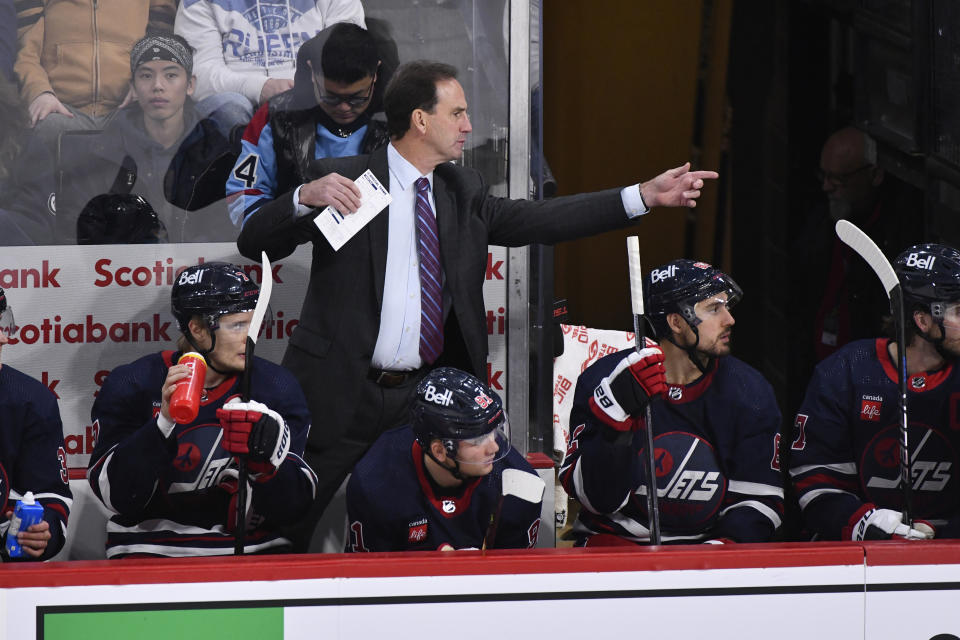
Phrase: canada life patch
[870,408]
[417,531]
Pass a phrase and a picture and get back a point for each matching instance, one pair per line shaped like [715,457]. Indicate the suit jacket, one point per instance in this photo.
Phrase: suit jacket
[330,349]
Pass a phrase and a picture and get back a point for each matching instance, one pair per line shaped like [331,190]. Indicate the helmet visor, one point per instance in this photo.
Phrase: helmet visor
[951,315]
[7,324]
[484,450]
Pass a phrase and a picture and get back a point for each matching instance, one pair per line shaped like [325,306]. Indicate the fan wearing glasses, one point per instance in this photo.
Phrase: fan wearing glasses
[329,113]
[32,455]
[848,175]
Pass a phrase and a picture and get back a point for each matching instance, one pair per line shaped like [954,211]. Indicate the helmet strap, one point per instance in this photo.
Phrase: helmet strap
[455,471]
[205,352]
[691,351]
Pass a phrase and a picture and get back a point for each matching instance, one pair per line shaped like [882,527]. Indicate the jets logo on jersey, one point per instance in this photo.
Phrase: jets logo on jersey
[188,457]
[199,458]
[675,393]
[444,399]
[417,531]
[690,484]
[936,490]
[870,407]
[449,506]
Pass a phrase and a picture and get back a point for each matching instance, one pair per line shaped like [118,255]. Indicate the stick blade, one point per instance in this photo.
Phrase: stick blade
[263,301]
[869,251]
[523,485]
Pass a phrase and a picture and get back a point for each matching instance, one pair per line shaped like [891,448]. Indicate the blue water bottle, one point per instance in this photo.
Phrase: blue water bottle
[27,513]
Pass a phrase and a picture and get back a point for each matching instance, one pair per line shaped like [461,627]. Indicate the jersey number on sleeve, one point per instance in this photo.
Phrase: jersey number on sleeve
[247,170]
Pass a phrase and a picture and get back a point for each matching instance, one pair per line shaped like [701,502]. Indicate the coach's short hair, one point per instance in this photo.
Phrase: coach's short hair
[414,86]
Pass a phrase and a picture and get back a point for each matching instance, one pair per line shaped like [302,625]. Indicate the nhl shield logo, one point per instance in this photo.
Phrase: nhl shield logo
[417,531]
[449,506]
[918,382]
[675,393]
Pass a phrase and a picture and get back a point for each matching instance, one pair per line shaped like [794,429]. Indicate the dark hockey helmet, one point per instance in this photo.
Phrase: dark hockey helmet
[119,218]
[211,290]
[678,286]
[454,406]
[930,277]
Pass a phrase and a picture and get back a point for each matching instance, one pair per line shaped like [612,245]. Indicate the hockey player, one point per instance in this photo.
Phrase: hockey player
[435,483]
[172,487]
[32,455]
[845,457]
[715,424]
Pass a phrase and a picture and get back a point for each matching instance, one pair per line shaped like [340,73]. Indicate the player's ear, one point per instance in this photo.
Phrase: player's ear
[923,321]
[438,450]
[676,323]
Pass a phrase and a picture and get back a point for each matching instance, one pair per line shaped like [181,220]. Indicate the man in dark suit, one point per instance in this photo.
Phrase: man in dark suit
[405,294]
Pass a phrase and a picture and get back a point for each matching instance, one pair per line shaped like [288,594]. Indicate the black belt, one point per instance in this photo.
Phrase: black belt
[391,379]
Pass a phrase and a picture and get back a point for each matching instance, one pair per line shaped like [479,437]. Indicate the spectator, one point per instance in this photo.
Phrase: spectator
[173,487]
[157,148]
[246,49]
[32,454]
[73,59]
[328,113]
[26,176]
[436,483]
[386,309]
[715,422]
[838,297]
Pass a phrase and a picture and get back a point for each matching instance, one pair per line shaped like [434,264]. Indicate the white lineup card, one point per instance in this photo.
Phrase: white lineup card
[338,228]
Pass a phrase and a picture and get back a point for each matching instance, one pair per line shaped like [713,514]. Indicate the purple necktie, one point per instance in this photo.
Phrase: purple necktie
[431,297]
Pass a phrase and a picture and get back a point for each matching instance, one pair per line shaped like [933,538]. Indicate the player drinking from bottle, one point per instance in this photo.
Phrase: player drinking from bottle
[845,454]
[172,487]
[715,425]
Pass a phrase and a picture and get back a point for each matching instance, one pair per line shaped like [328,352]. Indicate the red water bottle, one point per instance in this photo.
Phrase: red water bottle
[185,402]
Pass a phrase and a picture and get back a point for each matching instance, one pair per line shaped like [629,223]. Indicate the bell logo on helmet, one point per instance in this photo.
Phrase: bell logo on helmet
[190,278]
[913,260]
[444,399]
[659,275]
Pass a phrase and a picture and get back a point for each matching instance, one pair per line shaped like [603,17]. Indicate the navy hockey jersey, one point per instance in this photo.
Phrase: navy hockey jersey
[845,453]
[717,472]
[165,493]
[393,506]
[32,455]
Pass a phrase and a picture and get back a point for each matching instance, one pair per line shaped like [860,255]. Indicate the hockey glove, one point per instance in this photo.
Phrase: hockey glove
[251,428]
[883,524]
[624,393]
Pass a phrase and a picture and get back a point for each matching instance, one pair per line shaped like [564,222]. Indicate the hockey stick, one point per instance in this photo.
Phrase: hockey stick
[516,483]
[636,301]
[259,311]
[869,251]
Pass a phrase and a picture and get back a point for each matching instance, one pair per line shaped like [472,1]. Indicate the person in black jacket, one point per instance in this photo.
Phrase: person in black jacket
[157,148]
